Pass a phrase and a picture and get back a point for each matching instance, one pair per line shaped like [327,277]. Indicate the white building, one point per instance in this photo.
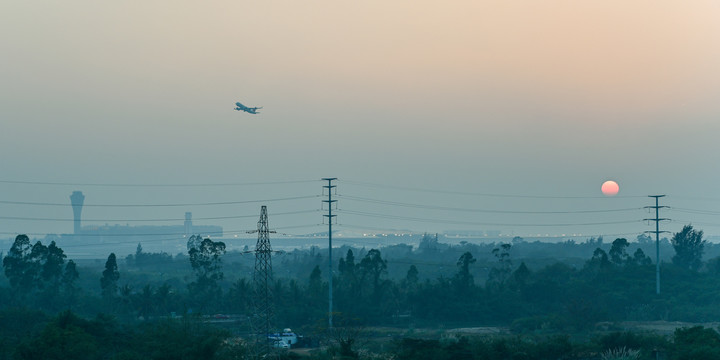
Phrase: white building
[286,339]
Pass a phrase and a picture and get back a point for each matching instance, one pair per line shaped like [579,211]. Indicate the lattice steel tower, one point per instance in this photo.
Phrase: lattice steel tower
[262,318]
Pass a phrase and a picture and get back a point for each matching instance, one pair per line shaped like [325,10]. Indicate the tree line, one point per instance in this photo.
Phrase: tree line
[614,283]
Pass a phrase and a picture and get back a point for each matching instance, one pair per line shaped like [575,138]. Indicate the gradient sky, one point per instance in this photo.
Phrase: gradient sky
[542,98]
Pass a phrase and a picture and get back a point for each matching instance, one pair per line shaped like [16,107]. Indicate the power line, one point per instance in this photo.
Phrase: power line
[695,222]
[224,232]
[695,198]
[413,232]
[435,207]
[160,205]
[368,184]
[396,217]
[694,211]
[388,230]
[154,185]
[152,220]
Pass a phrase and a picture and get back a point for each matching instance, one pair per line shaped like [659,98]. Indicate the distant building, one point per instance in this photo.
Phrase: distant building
[108,233]
[77,199]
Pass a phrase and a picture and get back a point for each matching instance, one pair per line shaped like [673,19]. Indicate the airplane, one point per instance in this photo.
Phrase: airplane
[251,110]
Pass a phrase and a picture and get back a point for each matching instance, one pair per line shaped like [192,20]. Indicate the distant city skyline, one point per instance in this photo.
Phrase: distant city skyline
[428,114]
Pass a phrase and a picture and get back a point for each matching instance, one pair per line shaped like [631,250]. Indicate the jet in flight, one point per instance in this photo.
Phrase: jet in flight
[251,110]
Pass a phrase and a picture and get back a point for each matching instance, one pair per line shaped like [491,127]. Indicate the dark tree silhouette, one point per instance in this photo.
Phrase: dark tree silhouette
[689,246]
[17,267]
[315,282]
[52,269]
[206,261]
[499,274]
[373,266]
[205,257]
[110,277]
[640,258]
[618,252]
[463,280]
[411,278]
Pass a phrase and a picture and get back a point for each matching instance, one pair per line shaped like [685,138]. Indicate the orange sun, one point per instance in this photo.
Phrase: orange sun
[610,188]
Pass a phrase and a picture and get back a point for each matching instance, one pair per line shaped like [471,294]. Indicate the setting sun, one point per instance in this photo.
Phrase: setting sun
[610,188]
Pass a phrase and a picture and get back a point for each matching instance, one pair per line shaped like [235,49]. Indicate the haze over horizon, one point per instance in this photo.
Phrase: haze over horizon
[542,101]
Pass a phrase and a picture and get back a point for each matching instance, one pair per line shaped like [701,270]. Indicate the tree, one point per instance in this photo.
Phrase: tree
[145,301]
[640,258]
[599,260]
[501,273]
[644,239]
[618,253]
[689,247]
[70,275]
[346,266]
[110,277]
[521,275]
[205,257]
[696,343]
[348,287]
[411,278]
[37,267]
[373,266]
[52,269]
[240,295]
[206,261]
[17,267]
[463,280]
[315,282]
[428,243]
[139,258]
[37,258]
[68,336]
[347,332]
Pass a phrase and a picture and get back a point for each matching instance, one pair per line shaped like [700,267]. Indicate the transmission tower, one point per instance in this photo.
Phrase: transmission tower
[262,317]
[657,232]
[330,217]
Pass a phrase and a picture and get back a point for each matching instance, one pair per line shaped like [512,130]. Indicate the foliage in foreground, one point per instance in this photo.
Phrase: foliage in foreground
[68,336]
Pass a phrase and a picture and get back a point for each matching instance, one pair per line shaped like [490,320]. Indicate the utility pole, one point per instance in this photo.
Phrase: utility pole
[330,216]
[657,232]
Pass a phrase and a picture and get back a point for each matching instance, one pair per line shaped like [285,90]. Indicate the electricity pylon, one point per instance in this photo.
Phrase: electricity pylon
[263,314]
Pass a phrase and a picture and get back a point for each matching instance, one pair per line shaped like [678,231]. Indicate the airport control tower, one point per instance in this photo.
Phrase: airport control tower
[77,199]
[188,224]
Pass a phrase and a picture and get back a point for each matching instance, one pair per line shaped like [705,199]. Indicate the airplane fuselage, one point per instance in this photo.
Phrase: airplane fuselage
[251,110]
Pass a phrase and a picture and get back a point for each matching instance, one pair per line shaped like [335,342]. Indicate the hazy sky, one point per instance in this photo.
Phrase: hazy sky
[541,98]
